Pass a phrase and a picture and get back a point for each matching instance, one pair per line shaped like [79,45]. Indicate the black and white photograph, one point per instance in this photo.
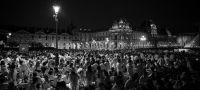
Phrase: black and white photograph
[99,45]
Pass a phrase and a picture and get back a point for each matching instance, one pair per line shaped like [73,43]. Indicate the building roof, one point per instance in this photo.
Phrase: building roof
[120,25]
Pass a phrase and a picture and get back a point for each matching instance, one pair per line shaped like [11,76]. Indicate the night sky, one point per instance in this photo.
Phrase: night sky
[177,15]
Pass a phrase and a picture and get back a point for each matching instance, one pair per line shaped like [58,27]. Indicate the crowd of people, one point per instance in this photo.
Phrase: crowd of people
[95,70]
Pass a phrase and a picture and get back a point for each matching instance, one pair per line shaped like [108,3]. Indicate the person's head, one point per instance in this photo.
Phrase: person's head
[89,68]
[73,72]
[130,61]
[2,63]
[46,78]
[119,80]
[145,73]
[38,86]
[62,84]
[37,64]
[112,69]
[20,62]
[44,63]
[51,82]
[34,74]
[101,85]
[67,62]
[12,66]
[71,65]
[105,73]
[135,76]
[98,68]
[119,60]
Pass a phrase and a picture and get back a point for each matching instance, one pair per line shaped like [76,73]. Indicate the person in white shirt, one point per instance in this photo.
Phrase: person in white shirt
[119,66]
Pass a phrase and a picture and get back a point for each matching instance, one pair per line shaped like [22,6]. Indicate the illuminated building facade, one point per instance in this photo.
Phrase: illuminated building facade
[119,36]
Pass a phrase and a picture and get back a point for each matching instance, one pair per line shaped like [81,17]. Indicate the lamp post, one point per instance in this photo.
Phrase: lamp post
[56,10]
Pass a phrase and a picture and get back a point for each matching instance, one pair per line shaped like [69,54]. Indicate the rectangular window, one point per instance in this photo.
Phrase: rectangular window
[52,37]
[47,44]
[115,37]
[33,37]
[46,37]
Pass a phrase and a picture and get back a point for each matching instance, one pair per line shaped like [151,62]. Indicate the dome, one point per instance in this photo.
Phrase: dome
[121,24]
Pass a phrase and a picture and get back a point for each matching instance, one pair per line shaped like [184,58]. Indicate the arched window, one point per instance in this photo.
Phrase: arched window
[46,44]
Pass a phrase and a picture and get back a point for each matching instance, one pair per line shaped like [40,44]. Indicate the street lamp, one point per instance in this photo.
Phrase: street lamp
[56,10]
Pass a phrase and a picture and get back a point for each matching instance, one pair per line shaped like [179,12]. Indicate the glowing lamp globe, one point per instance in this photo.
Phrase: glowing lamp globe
[56,9]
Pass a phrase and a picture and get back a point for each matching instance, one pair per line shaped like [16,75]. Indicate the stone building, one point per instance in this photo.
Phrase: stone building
[119,36]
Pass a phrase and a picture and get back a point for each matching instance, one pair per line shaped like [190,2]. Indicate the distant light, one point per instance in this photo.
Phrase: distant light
[143,38]
[9,34]
[93,41]
[56,8]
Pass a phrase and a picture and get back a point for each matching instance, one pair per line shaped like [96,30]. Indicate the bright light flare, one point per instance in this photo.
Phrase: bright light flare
[9,34]
[56,9]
